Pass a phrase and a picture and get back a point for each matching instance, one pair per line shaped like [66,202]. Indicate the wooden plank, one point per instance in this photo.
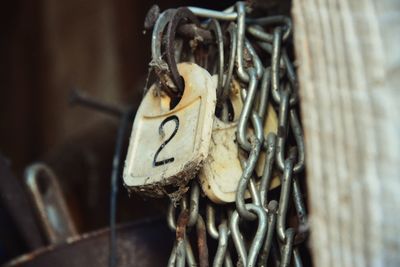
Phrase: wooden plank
[348,65]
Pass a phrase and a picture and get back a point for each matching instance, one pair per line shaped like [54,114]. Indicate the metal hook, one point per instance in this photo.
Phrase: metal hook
[181,13]
[202,241]
[194,203]
[231,30]
[172,257]
[246,112]
[49,202]
[251,258]
[188,255]
[222,254]
[193,207]
[156,42]
[222,234]
[254,146]
[297,258]
[267,173]
[266,21]
[282,133]
[272,208]
[210,215]
[264,92]
[282,128]
[232,49]
[298,136]
[157,63]
[277,55]
[244,180]
[301,232]
[227,14]
[173,226]
[181,237]
[285,194]
[215,28]
[287,248]
[242,42]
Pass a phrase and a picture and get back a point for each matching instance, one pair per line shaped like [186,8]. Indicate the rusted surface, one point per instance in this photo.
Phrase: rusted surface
[146,243]
[192,31]
[181,225]
[202,242]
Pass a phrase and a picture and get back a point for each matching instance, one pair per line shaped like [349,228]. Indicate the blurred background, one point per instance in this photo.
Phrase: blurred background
[48,48]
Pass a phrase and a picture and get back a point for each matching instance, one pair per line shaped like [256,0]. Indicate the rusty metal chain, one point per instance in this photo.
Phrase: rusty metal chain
[237,42]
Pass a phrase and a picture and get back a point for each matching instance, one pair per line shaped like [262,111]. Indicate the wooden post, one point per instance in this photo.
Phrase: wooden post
[348,59]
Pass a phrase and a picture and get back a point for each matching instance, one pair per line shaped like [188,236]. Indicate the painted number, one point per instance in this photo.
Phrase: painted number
[175,119]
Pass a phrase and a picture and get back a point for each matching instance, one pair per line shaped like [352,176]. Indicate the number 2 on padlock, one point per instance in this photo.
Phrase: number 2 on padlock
[161,131]
[167,146]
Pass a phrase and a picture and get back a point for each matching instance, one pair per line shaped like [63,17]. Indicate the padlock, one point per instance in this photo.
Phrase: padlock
[222,170]
[168,145]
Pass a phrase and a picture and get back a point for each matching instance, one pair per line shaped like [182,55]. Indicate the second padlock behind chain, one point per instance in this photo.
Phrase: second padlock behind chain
[255,141]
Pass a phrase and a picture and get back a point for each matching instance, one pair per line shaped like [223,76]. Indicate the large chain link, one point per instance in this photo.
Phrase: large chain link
[269,82]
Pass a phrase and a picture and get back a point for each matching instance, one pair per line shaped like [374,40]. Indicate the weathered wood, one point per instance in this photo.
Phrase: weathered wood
[348,66]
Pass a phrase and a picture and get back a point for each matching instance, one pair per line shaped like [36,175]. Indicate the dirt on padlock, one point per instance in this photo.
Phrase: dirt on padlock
[177,187]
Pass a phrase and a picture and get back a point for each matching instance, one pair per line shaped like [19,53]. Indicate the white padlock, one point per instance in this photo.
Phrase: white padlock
[168,146]
[222,170]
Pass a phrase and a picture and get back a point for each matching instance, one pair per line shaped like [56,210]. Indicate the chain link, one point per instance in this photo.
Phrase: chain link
[239,42]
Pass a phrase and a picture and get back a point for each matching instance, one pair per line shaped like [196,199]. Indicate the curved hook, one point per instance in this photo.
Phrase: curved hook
[193,207]
[215,28]
[266,21]
[264,91]
[283,125]
[202,241]
[222,234]
[182,250]
[298,136]
[285,194]
[207,13]
[242,42]
[276,57]
[210,215]
[272,208]
[267,172]
[249,168]
[222,253]
[49,203]
[181,13]
[231,30]
[246,112]
[287,249]
[194,204]
[232,49]
[250,258]
[156,42]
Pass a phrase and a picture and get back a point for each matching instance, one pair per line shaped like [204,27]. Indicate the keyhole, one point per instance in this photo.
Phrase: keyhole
[175,100]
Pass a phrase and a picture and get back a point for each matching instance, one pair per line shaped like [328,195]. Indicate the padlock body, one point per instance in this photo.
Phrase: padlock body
[222,169]
[168,146]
